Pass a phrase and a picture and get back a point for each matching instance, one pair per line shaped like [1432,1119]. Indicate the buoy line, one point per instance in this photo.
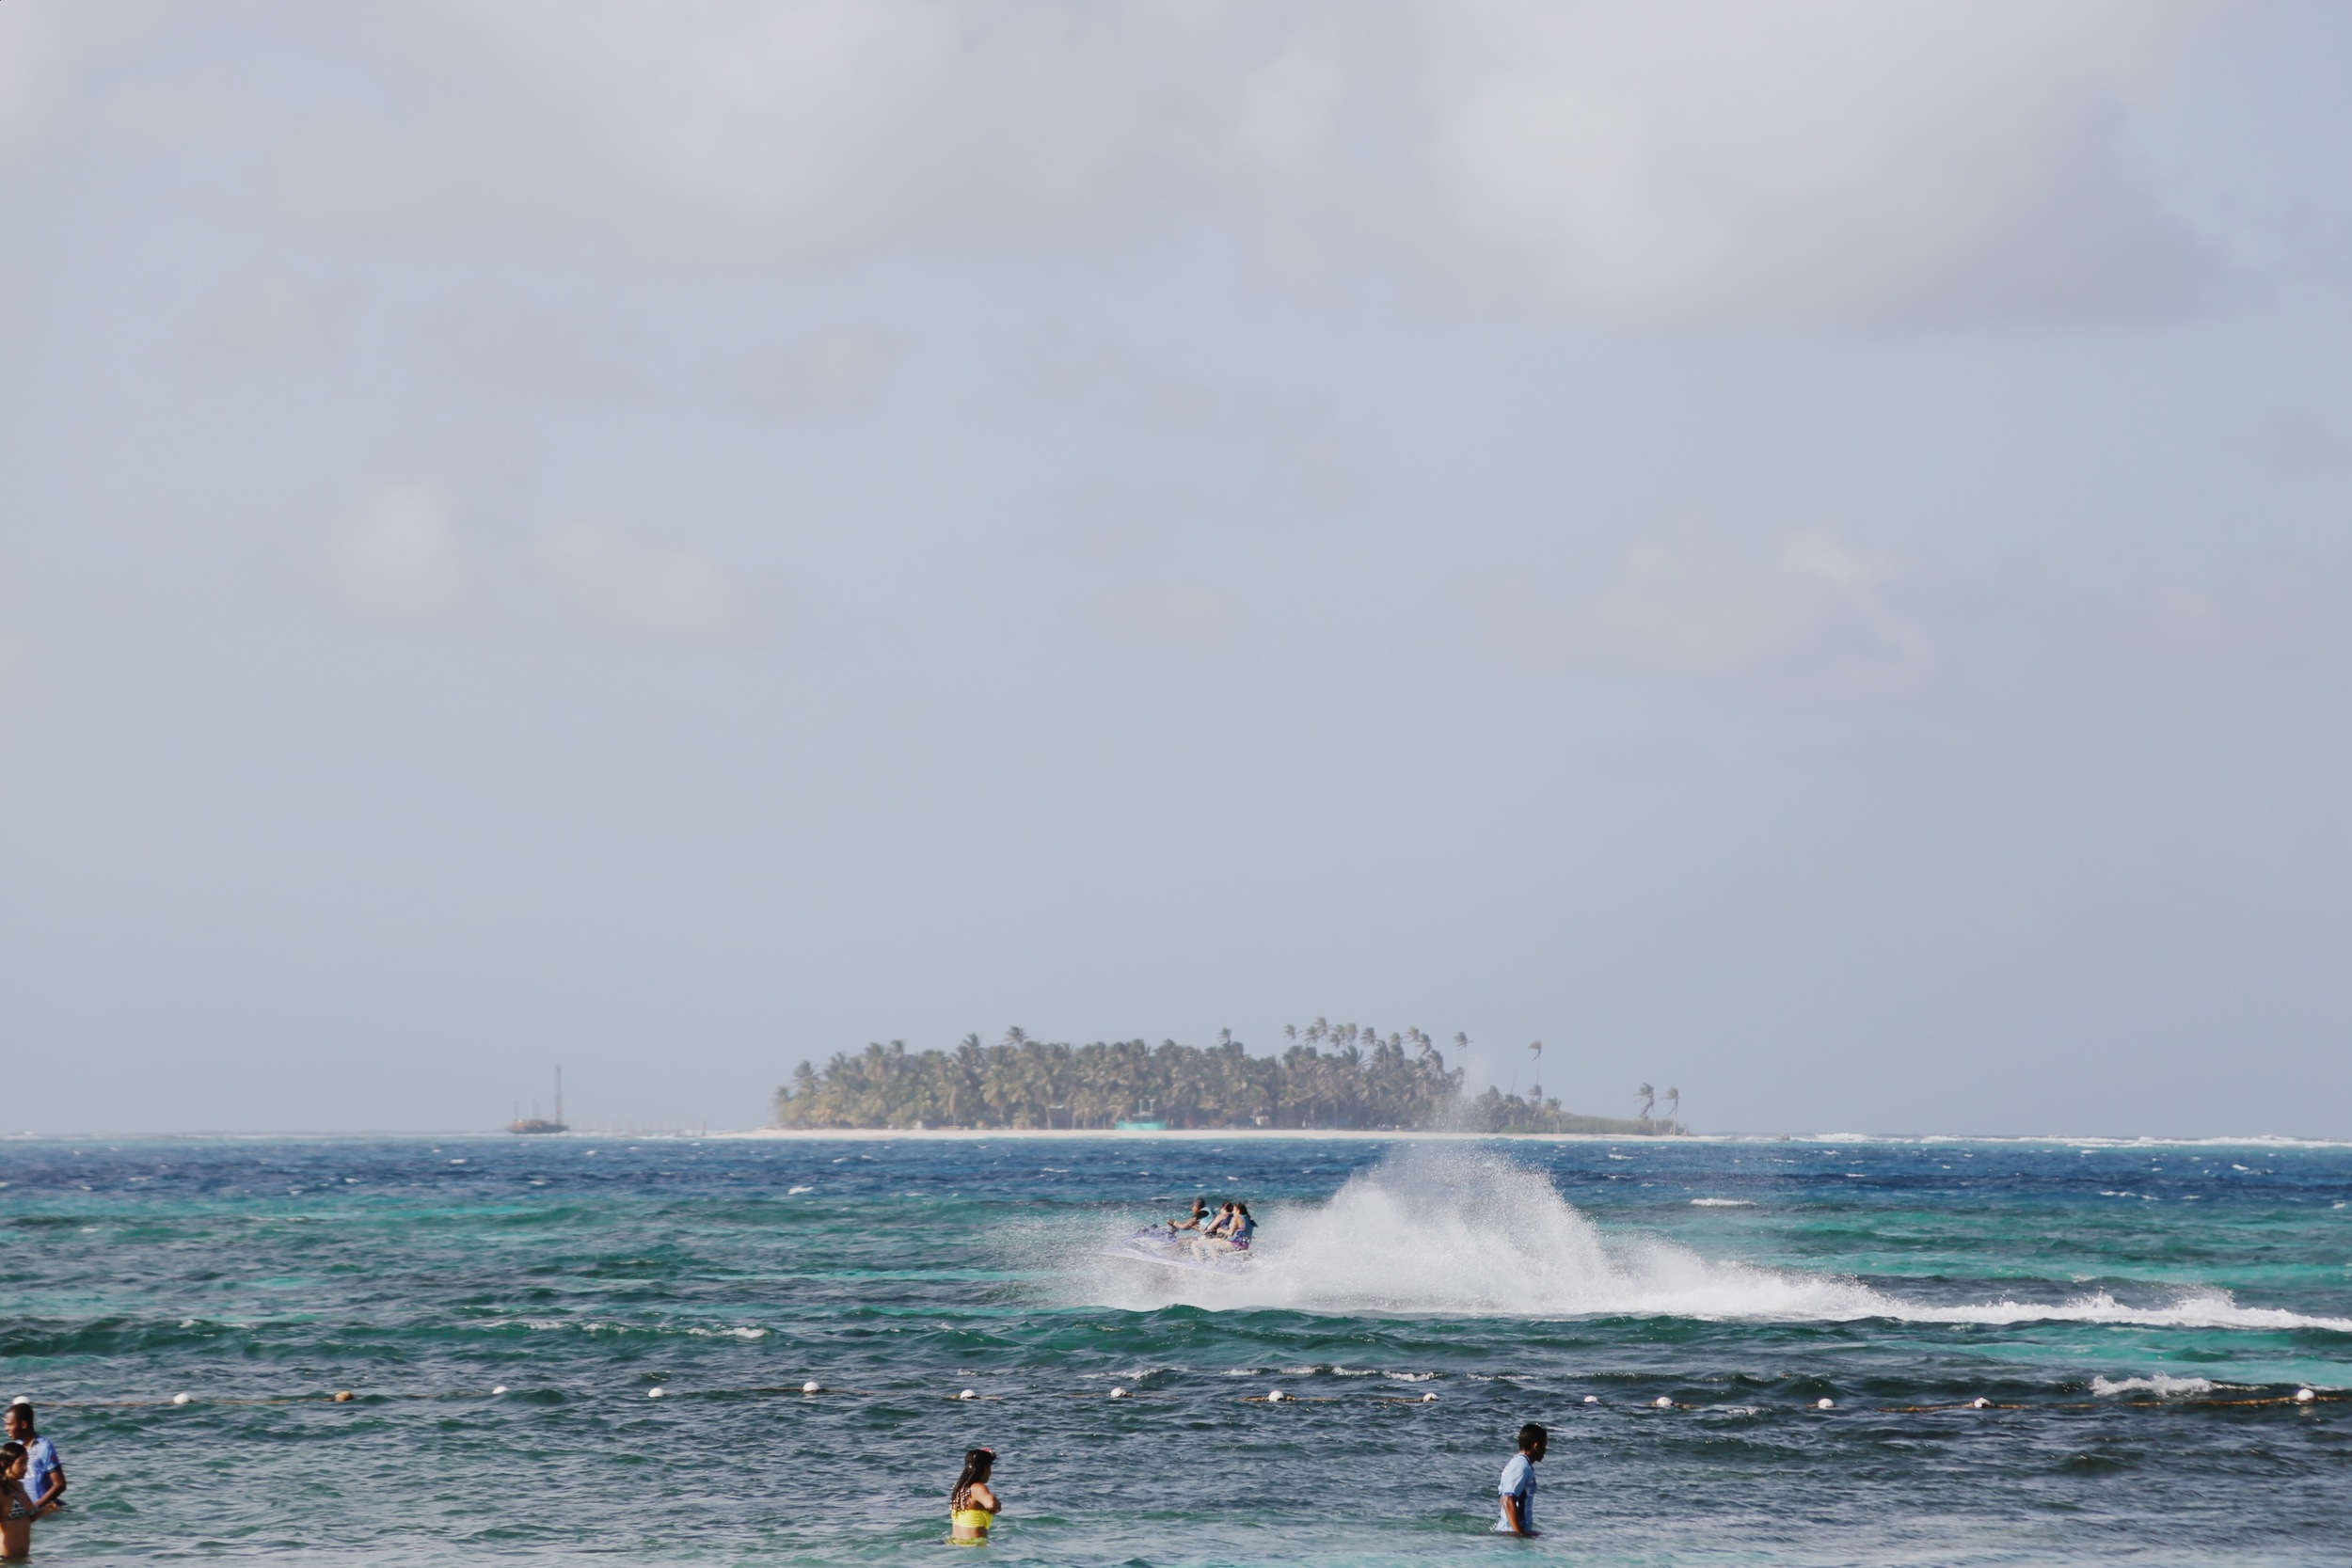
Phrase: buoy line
[2302,1398]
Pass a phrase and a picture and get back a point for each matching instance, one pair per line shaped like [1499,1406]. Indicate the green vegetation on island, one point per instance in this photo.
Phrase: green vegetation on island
[1363,1081]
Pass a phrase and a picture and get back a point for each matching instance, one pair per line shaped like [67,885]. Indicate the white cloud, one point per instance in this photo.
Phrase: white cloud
[1836,158]
[38,47]
[1829,158]
[396,549]
[1811,619]
[653,588]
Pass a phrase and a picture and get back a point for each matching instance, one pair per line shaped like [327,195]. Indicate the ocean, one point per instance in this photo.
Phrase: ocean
[2139,1319]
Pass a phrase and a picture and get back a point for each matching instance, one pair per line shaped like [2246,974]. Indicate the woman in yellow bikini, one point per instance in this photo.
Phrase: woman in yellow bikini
[972,1507]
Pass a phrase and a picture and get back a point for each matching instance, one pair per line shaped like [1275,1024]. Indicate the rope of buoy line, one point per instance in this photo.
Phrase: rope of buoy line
[2301,1398]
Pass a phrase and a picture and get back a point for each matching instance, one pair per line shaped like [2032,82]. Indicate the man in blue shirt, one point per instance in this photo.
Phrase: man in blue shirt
[44,1472]
[1517,1486]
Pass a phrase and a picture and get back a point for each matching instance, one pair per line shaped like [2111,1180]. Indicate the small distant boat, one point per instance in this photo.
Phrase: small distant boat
[536,1123]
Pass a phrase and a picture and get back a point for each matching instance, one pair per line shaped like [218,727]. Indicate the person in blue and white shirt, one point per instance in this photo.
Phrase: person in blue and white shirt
[1517,1489]
[44,1472]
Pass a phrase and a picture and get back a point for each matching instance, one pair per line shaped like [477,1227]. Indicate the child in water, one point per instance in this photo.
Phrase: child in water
[972,1507]
[16,1508]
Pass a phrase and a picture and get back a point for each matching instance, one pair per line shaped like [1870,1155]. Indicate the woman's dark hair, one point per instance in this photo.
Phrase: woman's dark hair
[1241,1207]
[977,1462]
[10,1453]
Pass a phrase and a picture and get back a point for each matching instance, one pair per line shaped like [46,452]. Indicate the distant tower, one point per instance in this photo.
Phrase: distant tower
[537,1123]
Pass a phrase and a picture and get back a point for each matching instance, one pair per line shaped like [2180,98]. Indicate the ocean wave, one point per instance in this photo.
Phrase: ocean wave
[599,1325]
[2195,1308]
[1722,1203]
[1445,1233]
[2155,1384]
[2052,1140]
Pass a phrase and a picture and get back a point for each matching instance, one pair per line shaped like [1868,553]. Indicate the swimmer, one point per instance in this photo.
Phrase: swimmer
[16,1508]
[972,1507]
[1516,1492]
[44,1472]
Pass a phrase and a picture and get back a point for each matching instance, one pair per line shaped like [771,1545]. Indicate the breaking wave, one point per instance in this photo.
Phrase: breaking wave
[1458,1232]
[2158,1383]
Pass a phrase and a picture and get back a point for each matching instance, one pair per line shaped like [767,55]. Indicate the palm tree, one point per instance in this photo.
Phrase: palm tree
[1461,1041]
[1367,1079]
[1535,1090]
[1648,1098]
[1674,1103]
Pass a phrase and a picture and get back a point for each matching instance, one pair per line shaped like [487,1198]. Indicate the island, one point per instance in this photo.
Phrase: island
[1337,1077]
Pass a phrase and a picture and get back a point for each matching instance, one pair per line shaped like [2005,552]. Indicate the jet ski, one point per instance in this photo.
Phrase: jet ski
[1181,1249]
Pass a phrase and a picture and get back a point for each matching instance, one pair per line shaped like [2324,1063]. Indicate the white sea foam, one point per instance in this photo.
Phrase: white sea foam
[1722,1203]
[1458,1231]
[2157,1383]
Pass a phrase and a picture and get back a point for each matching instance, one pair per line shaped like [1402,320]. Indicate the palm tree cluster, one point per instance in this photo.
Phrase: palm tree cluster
[1497,1112]
[1364,1080]
[1330,1075]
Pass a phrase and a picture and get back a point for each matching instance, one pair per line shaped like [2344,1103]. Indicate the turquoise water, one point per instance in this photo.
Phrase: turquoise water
[2126,1308]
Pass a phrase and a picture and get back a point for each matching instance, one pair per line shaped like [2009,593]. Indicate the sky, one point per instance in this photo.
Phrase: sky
[1797,552]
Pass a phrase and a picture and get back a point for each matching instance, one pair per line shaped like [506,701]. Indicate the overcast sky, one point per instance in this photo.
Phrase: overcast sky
[1797,551]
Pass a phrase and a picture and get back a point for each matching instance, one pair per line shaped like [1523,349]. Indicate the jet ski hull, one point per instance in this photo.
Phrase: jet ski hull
[1156,1243]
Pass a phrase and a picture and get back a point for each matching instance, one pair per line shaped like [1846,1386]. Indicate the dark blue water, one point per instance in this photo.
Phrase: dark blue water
[2140,1318]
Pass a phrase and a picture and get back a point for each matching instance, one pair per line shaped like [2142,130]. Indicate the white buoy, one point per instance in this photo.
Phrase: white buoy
[2304,1396]
[1662,1403]
[1119,1393]
[1980,1402]
[653,1393]
[1274,1396]
[184,1398]
[500,1389]
[1592,1399]
[1824,1404]
[1429,1398]
[811,1387]
[968,1394]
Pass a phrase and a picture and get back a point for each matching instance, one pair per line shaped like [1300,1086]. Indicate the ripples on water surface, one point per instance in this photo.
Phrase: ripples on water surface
[2115,1296]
